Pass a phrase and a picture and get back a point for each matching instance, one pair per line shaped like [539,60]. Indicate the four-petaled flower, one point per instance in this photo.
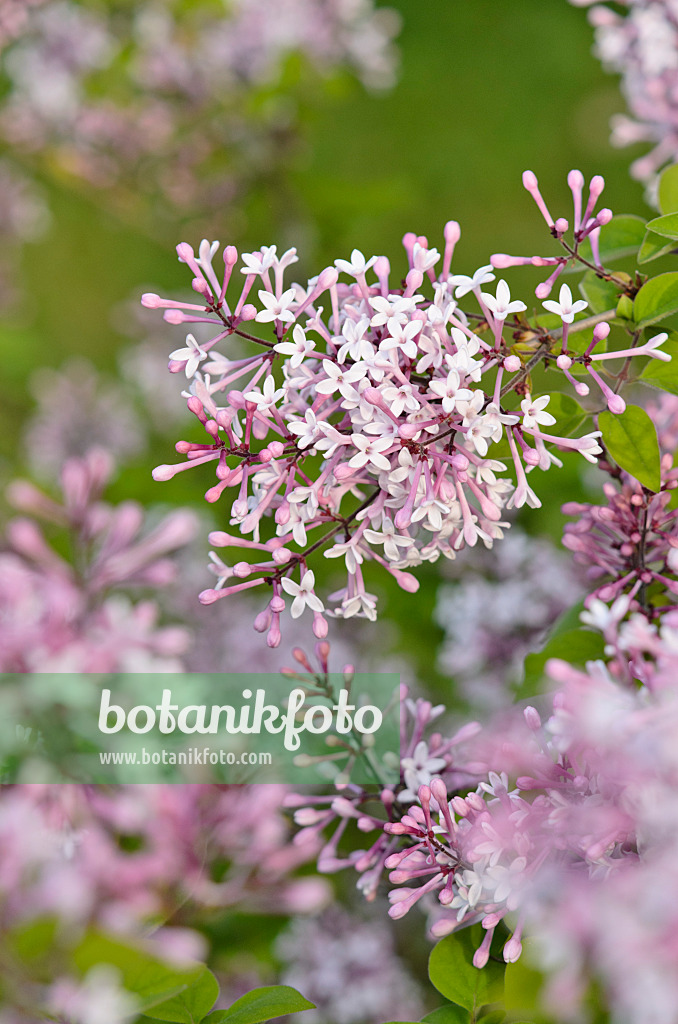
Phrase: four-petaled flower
[390,539]
[500,305]
[298,348]
[276,308]
[193,355]
[464,284]
[357,265]
[450,390]
[303,594]
[566,309]
[534,412]
[268,396]
[370,449]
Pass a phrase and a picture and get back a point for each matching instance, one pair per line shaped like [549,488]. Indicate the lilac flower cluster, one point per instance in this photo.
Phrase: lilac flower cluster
[140,862]
[388,387]
[347,965]
[78,410]
[589,810]
[630,544]
[73,615]
[551,822]
[641,44]
[151,100]
[496,610]
[424,754]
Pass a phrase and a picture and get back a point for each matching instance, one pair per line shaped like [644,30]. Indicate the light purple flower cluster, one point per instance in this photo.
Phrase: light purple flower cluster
[78,410]
[142,862]
[641,44]
[175,126]
[630,544]
[366,417]
[73,615]
[347,965]
[423,755]
[586,225]
[550,823]
[495,610]
[591,808]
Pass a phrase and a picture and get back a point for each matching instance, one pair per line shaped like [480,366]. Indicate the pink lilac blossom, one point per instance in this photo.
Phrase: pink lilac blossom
[570,828]
[630,544]
[61,615]
[387,388]
[587,794]
[78,410]
[348,966]
[145,863]
[424,753]
[176,126]
[640,43]
[497,609]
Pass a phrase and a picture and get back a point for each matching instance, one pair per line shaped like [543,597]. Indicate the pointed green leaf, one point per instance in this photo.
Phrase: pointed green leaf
[623,236]
[657,299]
[664,375]
[666,226]
[653,247]
[451,970]
[625,308]
[601,295]
[191,1005]
[631,440]
[523,987]
[262,1004]
[668,190]
[568,413]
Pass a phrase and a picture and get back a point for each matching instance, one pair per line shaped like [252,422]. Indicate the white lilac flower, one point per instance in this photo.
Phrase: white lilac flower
[463,285]
[565,308]
[298,348]
[193,354]
[276,308]
[303,594]
[500,305]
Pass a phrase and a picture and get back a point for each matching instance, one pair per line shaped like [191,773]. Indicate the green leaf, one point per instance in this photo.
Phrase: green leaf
[568,413]
[451,970]
[625,308]
[664,375]
[522,987]
[601,295]
[631,440]
[191,1005]
[657,299]
[668,190]
[449,1014]
[653,247]
[577,646]
[493,1017]
[666,226]
[262,1004]
[149,979]
[34,940]
[623,236]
